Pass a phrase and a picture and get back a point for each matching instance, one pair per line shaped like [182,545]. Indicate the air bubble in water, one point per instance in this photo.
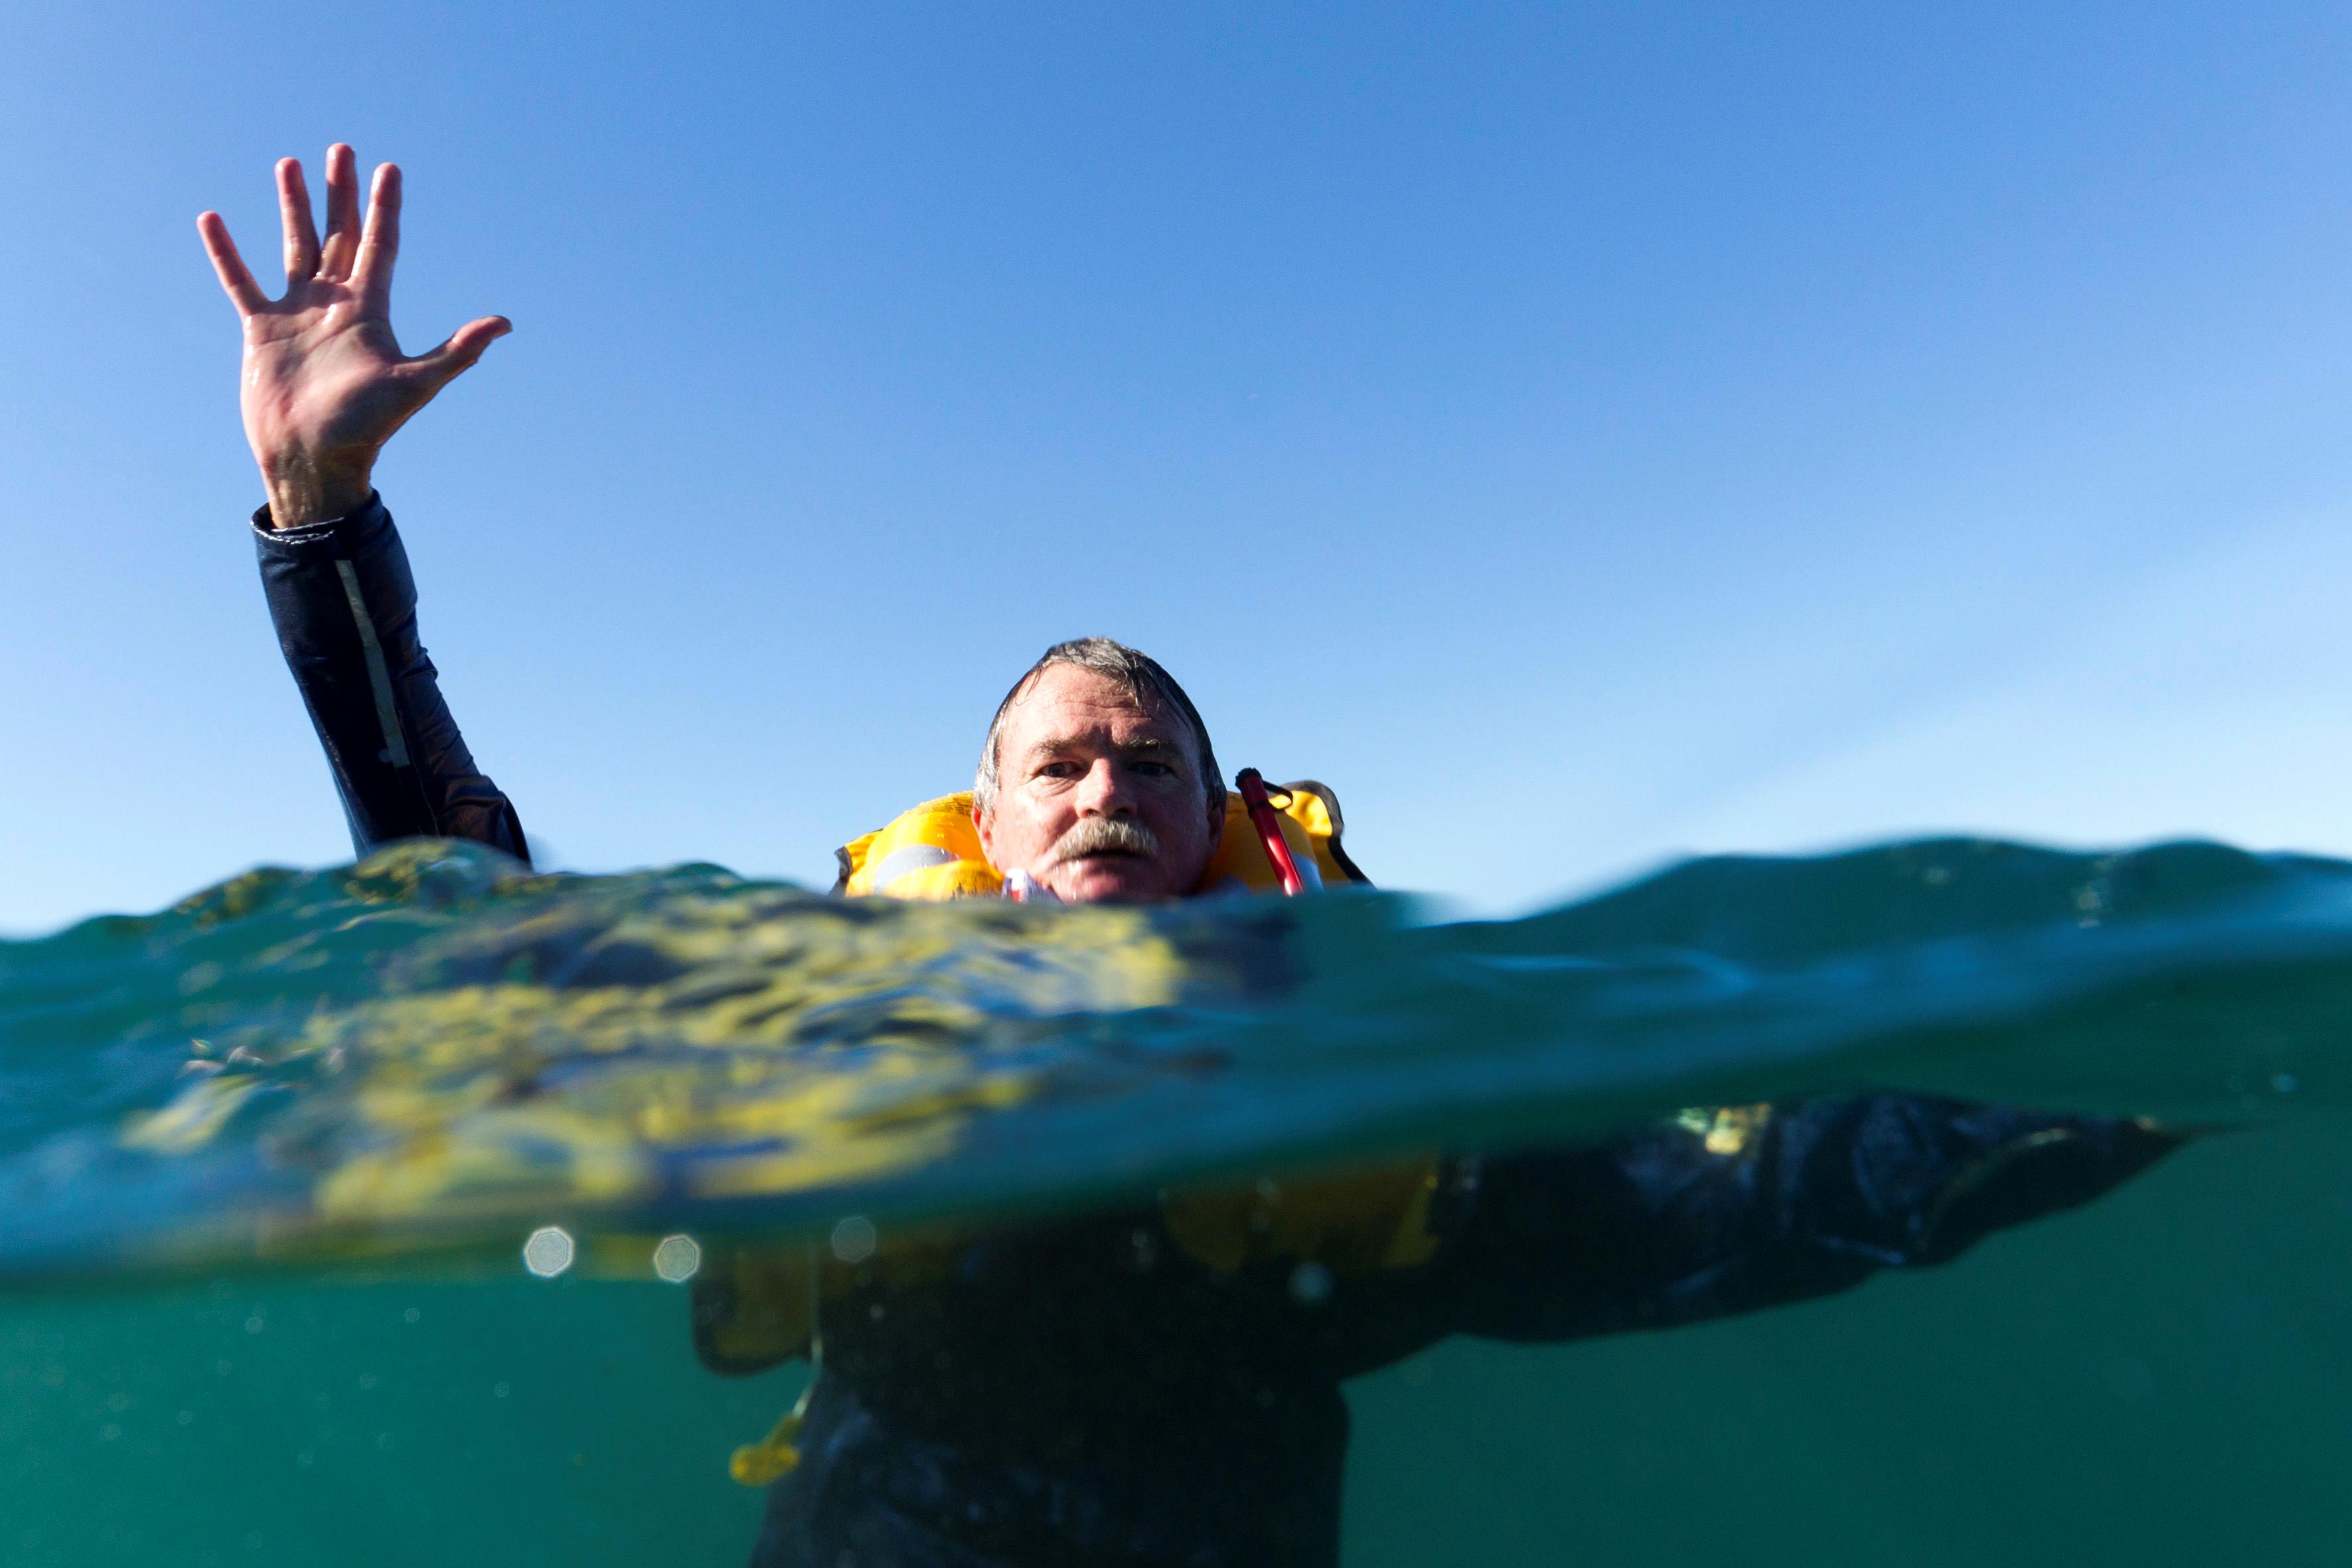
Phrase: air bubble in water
[549,1252]
[853,1239]
[677,1258]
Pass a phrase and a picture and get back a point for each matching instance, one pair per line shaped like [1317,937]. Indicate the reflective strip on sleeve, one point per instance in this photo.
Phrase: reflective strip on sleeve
[396,749]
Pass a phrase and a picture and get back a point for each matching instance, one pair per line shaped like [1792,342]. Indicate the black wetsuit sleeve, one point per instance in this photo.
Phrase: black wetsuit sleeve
[345,608]
[1706,1217]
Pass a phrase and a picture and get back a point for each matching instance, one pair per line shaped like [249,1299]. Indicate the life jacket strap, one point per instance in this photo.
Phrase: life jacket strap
[773,1456]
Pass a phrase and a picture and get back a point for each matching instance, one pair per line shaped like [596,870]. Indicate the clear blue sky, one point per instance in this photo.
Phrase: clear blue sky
[1582,434]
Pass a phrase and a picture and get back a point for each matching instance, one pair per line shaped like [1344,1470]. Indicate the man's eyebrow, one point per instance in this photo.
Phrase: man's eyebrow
[1148,746]
[1152,747]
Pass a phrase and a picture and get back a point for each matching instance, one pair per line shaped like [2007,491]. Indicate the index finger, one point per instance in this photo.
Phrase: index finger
[380,241]
[236,278]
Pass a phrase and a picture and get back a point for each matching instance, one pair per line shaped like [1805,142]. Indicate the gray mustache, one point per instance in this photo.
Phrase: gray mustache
[1104,835]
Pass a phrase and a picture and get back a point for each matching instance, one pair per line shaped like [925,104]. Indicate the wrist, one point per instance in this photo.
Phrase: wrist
[305,492]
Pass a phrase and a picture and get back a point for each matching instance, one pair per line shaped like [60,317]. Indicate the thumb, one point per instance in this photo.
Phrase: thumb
[442,365]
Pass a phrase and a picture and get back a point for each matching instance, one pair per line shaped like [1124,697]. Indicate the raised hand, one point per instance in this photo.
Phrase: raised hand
[324,382]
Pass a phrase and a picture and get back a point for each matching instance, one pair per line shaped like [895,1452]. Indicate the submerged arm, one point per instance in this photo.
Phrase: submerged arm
[1709,1216]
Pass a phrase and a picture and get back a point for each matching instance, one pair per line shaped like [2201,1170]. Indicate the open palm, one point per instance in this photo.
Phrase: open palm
[325,384]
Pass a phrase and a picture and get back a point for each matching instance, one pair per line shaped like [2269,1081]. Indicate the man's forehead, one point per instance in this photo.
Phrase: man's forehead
[1067,703]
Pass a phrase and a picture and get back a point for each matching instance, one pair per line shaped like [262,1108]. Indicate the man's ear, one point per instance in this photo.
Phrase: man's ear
[984,823]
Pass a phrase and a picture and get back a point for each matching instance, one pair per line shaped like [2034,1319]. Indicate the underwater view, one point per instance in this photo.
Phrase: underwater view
[1813,538]
[396,1213]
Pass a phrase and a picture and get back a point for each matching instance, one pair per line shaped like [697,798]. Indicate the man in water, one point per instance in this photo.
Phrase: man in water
[1152,1387]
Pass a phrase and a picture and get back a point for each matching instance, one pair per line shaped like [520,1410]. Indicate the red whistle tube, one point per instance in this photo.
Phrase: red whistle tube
[1268,824]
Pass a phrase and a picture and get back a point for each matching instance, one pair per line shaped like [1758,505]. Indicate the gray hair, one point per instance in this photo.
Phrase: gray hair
[1144,681]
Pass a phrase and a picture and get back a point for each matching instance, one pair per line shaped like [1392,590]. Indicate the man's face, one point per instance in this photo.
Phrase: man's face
[1098,798]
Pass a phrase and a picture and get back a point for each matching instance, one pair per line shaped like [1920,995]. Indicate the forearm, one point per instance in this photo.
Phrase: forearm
[344,605]
[1776,1205]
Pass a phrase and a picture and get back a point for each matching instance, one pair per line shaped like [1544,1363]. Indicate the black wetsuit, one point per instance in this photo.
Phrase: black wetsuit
[1089,1391]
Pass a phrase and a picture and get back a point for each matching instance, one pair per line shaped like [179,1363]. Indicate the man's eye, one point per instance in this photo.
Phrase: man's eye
[1152,769]
[1058,771]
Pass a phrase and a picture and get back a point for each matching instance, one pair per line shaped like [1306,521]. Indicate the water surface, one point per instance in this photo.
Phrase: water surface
[269,1157]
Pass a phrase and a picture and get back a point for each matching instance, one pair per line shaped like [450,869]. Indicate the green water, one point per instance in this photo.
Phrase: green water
[2160,1378]
[266,1160]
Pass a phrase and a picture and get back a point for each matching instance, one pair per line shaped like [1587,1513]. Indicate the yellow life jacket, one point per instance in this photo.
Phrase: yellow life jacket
[933,850]
[1355,1223]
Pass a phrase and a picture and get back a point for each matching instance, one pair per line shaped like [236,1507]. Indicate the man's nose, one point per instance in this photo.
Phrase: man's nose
[1103,791]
